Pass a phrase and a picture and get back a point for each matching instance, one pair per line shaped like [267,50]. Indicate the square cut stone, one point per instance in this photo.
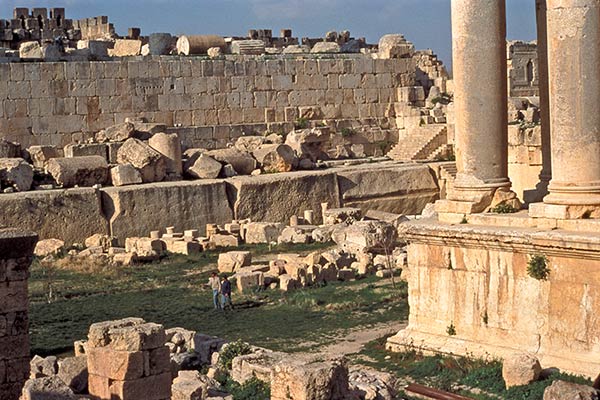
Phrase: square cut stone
[157,387]
[116,365]
[140,337]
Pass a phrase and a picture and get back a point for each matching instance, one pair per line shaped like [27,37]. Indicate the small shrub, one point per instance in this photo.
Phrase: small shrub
[451,329]
[252,389]
[301,123]
[504,208]
[537,267]
[347,132]
[231,351]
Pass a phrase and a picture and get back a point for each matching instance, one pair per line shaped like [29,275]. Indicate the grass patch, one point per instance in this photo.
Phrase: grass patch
[447,373]
[172,293]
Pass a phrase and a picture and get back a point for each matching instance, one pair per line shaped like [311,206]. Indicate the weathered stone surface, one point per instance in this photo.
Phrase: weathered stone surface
[49,388]
[309,143]
[259,365]
[40,155]
[395,188]
[249,144]
[298,379]
[169,145]
[116,133]
[125,174]
[144,248]
[31,51]
[325,47]
[86,149]
[79,171]
[520,369]
[560,390]
[296,235]
[249,280]
[232,261]
[150,163]
[262,232]
[126,48]
[276,158]
[242,163]
[277,197]
[100,240]
[15,172]
[43,367]
[203,167]
[138,210]
[73,371]
[9,149]
[47,247]
[366,236]
[69,215]
[189,386]
[395,46]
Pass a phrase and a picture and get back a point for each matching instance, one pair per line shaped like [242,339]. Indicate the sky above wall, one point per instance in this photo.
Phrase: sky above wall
[424,22]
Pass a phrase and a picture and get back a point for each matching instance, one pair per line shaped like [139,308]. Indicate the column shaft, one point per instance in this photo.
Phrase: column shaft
[542,40]
[480,97]
[573,60]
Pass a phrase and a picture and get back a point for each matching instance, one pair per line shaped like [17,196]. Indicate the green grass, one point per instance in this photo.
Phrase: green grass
[444,373]
[172,293]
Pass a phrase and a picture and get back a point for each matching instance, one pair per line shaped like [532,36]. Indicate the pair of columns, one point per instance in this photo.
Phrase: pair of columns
[569,76]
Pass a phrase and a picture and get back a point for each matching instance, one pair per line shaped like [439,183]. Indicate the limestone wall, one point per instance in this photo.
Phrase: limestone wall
[475,280]
[16,249]
[75,214]
[525,161]
[59,103]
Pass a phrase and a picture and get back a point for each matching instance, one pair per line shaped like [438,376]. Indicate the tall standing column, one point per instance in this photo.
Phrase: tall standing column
[542,46]
[573,60]
[480,99]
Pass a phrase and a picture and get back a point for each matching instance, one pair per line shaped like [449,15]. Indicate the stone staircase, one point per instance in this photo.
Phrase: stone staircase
[421,143]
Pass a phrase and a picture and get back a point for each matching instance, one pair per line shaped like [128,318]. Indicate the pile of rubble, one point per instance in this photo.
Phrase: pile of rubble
[131,359]
[365,245]
[136,152]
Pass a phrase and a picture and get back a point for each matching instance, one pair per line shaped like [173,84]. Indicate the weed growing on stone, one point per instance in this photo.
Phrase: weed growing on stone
[537,267]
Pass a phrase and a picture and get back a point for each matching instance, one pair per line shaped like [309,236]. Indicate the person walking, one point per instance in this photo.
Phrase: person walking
[226,293]
[215,285]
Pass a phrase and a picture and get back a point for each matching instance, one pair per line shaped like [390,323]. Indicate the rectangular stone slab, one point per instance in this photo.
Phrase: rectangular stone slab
[276,197]
[396,188]
[138,210]
[69,215]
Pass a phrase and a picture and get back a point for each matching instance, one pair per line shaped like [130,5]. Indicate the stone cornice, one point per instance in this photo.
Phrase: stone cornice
[520,240]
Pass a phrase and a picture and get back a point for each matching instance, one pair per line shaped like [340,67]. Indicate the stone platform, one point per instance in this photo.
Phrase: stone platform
[470,292]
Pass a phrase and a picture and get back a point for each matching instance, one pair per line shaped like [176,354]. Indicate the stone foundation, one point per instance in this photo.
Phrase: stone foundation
[16,249]
[470,292]
[75,214]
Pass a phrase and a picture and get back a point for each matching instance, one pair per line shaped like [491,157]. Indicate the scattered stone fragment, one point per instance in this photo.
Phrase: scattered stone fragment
[276,158]
[17,173]
[40,155]
[309,143]
[116,133]
[232,261]
[79,171]
[242,163]
[262,232]
[395,46]
[325,47]
[9,149]
[561,390]
[203,167]
[125,174]
[520,369]
[48,388]
[49,247]
[150,163]
[73,372]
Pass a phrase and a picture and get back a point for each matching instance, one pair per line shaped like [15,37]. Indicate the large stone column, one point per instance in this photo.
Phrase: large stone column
[573,60]
[480,101]
[542,40]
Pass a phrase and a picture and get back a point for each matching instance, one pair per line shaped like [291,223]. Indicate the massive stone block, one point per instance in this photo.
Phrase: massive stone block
[396,188]
[70,215]
[275,198]
[137,210]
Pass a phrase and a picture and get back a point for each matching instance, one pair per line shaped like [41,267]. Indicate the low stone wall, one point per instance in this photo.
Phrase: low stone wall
[70,215]
[60,103]
[470,294]
[75,214]
[16,250]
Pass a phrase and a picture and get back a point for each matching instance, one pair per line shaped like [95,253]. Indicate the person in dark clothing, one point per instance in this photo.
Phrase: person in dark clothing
[226,293]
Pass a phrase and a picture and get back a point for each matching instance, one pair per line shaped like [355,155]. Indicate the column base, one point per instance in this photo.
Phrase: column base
[562,211]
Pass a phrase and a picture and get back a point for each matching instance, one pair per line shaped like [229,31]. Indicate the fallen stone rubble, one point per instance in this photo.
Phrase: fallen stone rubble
[364,246]
[132,359]
[137,152]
